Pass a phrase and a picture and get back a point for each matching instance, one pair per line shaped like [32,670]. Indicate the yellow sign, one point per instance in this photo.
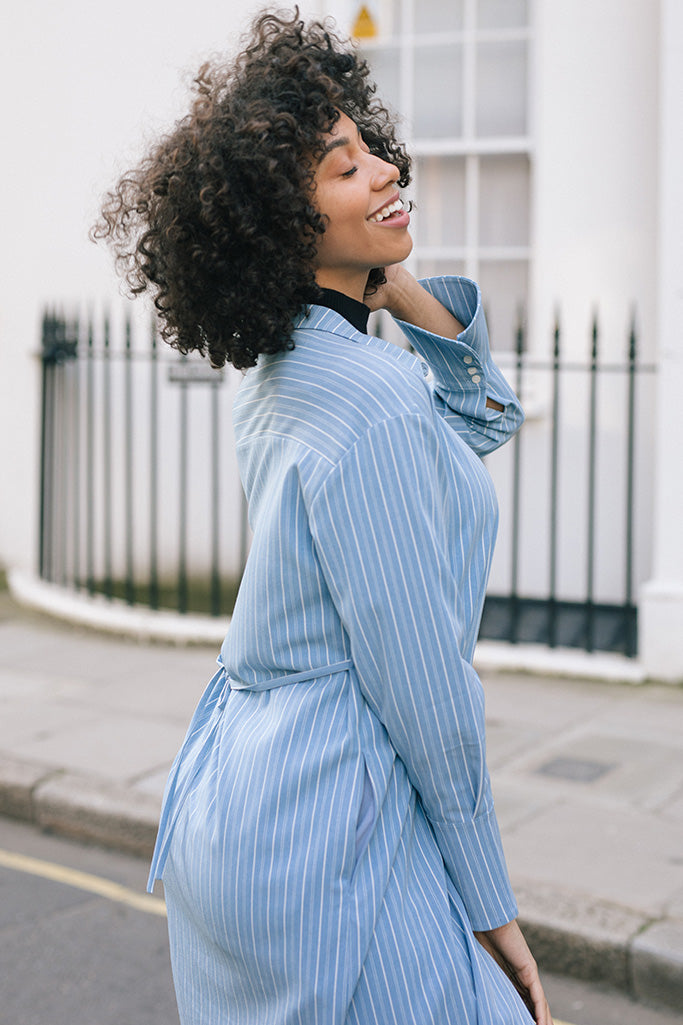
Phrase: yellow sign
[364,26]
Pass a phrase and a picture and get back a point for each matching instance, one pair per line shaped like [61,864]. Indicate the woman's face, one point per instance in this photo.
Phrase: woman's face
[352,190]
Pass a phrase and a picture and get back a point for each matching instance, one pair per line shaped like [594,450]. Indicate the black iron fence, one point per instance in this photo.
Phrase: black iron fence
[589,474]
[140,495]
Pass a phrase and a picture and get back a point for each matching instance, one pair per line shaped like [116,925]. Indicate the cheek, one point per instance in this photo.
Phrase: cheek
[340,234]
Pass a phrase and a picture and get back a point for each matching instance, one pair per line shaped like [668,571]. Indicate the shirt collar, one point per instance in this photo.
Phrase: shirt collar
[355,312]
[322,318]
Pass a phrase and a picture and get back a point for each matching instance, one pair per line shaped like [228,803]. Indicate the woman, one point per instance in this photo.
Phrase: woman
[328,844]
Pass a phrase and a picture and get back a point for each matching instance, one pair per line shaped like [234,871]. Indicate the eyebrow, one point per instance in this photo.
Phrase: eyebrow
[335,144]
[339,143]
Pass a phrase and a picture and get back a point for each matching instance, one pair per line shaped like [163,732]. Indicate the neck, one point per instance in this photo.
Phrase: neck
[356,313]
[352,284]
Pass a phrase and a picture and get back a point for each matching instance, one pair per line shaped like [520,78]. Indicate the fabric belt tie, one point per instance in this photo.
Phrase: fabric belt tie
[231,683]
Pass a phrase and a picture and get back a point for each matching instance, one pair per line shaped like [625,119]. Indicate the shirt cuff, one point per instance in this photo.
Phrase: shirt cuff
[473,855]
[460,366]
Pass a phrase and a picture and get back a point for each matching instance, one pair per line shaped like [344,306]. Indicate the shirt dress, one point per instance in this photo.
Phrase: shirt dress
[328,839]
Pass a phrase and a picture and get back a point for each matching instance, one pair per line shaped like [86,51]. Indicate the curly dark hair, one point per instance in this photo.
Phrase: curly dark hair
[218,221]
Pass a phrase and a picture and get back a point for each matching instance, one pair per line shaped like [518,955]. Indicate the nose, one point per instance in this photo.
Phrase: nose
[384,174]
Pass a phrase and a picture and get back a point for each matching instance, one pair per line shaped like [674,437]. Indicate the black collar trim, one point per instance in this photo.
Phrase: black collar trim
[350,309]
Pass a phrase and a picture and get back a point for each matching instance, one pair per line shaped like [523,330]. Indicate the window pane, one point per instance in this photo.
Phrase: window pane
[504,200]
[437,268]
[501,88]
[439,217]
[504,288]
[385,68]
[438,91]
[438,16]
[502,14]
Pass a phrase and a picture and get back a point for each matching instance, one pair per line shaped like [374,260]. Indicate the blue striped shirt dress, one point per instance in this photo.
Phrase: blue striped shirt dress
[328,839]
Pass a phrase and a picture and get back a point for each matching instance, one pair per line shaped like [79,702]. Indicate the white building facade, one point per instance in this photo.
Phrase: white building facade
[548,165]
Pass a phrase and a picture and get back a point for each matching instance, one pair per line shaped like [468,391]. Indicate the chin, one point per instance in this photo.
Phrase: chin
[405,253]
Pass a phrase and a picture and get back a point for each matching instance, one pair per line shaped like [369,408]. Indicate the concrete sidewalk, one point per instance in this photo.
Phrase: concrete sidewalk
[588,779]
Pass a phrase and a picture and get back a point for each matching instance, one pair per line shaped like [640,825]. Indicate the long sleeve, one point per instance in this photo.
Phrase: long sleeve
[464,372]
[397,527]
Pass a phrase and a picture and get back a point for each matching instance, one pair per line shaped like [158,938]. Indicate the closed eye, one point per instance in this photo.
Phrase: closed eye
[350,173]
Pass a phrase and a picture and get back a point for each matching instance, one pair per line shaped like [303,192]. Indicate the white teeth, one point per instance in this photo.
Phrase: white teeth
[387,211]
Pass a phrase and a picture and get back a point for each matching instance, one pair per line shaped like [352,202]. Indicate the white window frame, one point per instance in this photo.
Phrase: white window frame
[469,146]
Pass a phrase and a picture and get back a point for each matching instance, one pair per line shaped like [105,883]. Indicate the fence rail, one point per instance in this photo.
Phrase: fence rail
[140,495]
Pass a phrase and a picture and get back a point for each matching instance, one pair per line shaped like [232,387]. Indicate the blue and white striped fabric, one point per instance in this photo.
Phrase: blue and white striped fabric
[328,840]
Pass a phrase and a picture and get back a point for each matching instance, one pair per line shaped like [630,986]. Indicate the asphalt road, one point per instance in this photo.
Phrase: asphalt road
[81,944]
[69,956]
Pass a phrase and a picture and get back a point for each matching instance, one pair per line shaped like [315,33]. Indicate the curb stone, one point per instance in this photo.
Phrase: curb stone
[99,812]
[18,784]
[578,935]
[570,934]
[71,805]
[658,963]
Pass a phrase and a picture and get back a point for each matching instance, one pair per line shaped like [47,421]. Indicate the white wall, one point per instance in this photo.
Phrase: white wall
[596,159]
[661,606]
[81,85]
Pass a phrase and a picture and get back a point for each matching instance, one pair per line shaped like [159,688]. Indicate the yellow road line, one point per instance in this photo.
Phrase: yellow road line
[83,881]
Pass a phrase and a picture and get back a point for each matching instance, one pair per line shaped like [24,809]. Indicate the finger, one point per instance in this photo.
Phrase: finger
[540,1008]
[543,1015]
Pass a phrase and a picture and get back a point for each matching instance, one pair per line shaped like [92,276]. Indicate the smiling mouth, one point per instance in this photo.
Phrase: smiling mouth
[394,209]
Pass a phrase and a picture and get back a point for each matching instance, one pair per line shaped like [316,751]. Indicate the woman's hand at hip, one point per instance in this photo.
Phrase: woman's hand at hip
[509,949]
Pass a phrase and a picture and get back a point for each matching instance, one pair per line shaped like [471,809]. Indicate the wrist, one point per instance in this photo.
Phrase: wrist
[403,294]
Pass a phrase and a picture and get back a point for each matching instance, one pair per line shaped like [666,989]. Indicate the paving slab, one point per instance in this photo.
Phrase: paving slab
[658,718]
[518,803]
[32,721]
[625,770]
[674,908]
[163,695]
[152,784]
[506,741]
[625,857]
[528,702]
[674,808]
[21,682]
[115,748]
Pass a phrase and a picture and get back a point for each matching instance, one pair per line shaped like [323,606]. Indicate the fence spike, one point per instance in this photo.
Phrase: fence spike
[594,336]
[556,334]
[47,331]
[519,331]
[632,337]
